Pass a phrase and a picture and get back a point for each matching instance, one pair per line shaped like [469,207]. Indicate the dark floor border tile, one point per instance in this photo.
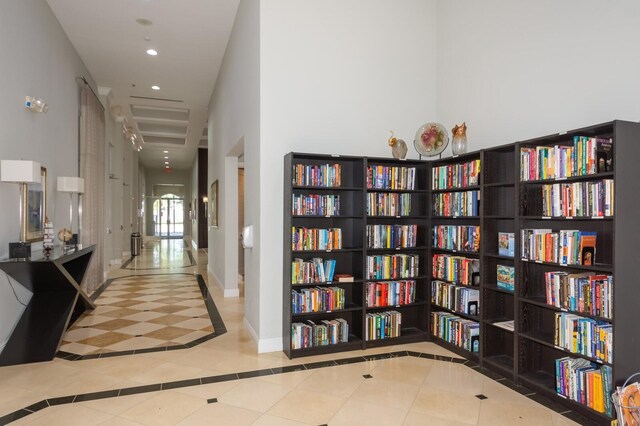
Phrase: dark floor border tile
[125,264]
[543,400]
[214,316]
[100,289]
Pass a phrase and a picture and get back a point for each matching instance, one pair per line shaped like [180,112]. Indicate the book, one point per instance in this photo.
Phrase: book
[506,244]
[343,278]
[604,155]
[505,277]
[587,248]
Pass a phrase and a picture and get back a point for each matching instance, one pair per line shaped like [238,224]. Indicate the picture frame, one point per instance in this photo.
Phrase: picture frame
[34,208]
[213,208]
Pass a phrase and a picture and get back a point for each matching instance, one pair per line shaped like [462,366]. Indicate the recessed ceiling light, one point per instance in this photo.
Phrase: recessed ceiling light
[155,87]
[166,162]
[166,152]
[147,39]
[152,52]
[143,21]
[166,158]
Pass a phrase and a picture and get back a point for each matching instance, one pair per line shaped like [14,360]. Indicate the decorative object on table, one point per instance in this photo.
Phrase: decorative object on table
[431,139]
[213,199]
[71,185]
[459,141]
[398,147]
[29,176]
[49,237]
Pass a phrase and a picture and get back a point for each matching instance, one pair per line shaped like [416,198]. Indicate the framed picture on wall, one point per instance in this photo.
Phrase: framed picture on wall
[34,208]
[213,199]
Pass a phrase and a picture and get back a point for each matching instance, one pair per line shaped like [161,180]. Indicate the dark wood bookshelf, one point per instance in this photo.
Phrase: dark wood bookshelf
[527,354]
[396,307]
[436,307]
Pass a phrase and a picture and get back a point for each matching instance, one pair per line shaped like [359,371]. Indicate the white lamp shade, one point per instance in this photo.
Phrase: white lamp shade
[71,184]
[19,171]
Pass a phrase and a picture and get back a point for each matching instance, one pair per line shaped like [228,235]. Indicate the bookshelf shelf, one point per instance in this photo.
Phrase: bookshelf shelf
[507,204]
[460,314]
[353,344]
[396,307]
[336,311]
[343,250]
[455,283]
[326,283]
[324,217]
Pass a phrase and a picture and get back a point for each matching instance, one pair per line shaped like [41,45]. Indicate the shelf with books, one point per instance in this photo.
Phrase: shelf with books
[349,307]
[456,252]
[546,339]
[541,302]
[568,218]
[594,176]
[396,307]
[597,267]
[498,184]
[437,307]
[407,335]
[461,189]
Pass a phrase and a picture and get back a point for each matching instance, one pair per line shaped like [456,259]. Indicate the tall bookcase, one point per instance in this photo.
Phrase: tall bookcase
[507,204]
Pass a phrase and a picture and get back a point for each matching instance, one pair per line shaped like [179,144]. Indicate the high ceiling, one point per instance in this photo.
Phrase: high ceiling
[190,36]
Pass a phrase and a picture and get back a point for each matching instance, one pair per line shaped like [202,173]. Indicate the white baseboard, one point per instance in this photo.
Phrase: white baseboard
[215,278]
[264,345]
[231,292]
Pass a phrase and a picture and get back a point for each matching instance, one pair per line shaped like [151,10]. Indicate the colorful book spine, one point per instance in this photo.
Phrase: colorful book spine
[387,177]
[388,204]
[455,269]
[456,237]
[383,325]
[315,205]
[391,267]
[585,382]
[328,332]
[567,247]
[456,204]
[390,293]
[455,298]
[454,176]
[317,299]
[579,199]
[316,239]
[585,293]
[322,176]
[584,336]
[316,270]
[391,236]
[461,332]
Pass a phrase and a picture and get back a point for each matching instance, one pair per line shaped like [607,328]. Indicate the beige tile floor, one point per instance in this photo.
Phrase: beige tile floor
[403,391]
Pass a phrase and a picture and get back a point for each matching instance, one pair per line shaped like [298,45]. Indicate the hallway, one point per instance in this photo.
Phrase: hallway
[223,381]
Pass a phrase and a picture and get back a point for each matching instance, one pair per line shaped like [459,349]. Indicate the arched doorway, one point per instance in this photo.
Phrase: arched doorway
[168,216]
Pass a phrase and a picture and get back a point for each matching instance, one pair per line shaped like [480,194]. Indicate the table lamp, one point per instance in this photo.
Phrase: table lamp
[72,185]
[21,172]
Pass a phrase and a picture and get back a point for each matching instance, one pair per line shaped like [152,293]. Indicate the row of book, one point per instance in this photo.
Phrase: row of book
[453,176]
[315,205]
[388,177]
[316,239]
[317,299]
[456,269]
[586,156]
[584,336]
[585,382]
[457,237]
[390,293]
[316,270]
[586,293]
[461,332]
[392,267]
[567,247]
[391,236]
[383,325]
[460,299]
[578,199]
[323,176]
[328,332]
[388,204]
[456,204]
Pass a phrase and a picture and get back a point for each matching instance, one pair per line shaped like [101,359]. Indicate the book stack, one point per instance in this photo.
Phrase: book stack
[455,298]
[391,236]
[456,237]
[310,334]
[584,336]
[317,299]
[461,332]
[579,199]
[315,205]
[383,325]
[456,269]
[584,382]
[460,175]
[388,204]
[456,204]
[316,239]
[385,177]
[586,156]
[317,270]
[390,293]
[325,175]
[567,247]
[586,293]
[505,277]
[391,267]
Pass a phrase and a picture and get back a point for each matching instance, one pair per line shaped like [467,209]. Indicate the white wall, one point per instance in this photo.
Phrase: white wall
[234,126]
[518,70]
[37,60]
[336,76]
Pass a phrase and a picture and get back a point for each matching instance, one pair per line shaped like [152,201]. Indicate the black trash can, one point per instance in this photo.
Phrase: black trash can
[136,243]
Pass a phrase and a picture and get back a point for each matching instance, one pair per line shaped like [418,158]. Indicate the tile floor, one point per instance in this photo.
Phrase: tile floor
[403,390]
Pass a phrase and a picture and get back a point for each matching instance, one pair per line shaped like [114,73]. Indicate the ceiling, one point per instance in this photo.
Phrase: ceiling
[190,37]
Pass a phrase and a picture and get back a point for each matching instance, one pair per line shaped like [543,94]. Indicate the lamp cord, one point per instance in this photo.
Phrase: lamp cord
[9,279]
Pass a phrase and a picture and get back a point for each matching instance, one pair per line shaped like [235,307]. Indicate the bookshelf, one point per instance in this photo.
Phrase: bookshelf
[517,324]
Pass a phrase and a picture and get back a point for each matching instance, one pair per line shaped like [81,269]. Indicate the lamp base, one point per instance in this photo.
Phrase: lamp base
[19,250]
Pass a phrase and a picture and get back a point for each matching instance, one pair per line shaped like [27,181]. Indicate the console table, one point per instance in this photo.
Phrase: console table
[57,296]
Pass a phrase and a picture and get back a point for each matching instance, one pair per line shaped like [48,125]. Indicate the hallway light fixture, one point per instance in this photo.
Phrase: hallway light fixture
[36,104]
[152,52]
[155,87]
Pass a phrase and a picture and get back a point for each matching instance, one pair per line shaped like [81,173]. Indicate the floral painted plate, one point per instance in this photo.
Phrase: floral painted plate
[431,139]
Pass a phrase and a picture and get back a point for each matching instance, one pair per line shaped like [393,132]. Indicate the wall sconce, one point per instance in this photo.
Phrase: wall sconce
[36,104]
[205,200]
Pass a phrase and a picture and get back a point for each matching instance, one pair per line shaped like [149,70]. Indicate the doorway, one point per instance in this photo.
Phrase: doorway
[168,216]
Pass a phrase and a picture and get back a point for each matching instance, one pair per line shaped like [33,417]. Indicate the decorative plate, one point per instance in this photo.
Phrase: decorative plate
[431,139]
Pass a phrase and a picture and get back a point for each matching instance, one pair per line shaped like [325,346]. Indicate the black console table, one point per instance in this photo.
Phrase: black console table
[55,283]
